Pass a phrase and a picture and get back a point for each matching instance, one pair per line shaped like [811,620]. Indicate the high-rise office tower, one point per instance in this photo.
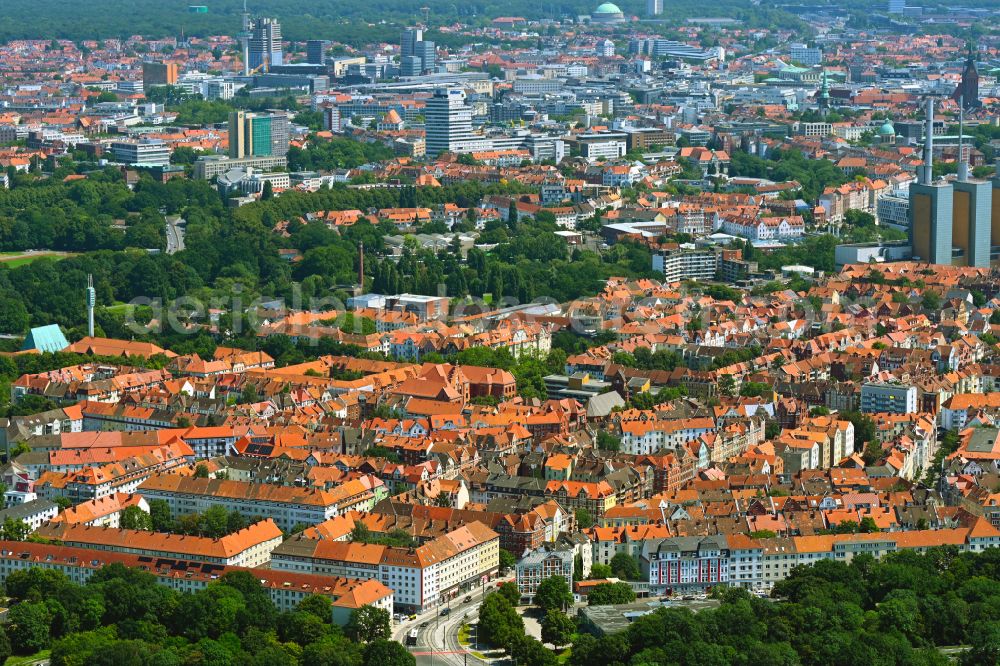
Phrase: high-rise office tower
[654,7]
[967,92]
[280,133]
[264,46]
[427,53]
[931,206]
[237,134]
[410,66]
[448,123]
[995,220]
[408,41]
[331,119]
[261,134]
[159,74]
[316,51]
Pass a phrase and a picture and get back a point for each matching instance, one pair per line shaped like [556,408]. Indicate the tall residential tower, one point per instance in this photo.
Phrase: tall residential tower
[448,122]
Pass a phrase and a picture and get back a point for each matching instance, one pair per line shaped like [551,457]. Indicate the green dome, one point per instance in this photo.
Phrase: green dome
[608,8]
[887,129]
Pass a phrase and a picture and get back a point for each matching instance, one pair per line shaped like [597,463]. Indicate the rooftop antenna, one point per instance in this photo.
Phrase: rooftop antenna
[91,301]
[963,164]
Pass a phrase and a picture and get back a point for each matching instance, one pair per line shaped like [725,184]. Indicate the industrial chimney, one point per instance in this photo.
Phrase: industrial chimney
[963,163]
[927,172]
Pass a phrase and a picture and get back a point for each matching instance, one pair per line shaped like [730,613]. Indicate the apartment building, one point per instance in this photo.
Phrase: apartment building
[541,564]
[696,564]
[860,195]
[685,564]
[420,578]
[34,514]
[765,228]
[122,476]
[645,437]
[959,408]
[210,442]
[101,512]
[286,589]
[51,422]
[686,264]
[893,211]
[250,547]
[287,506]
[890,398]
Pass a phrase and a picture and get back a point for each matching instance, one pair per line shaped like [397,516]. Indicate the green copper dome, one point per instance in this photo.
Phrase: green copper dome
[608,8]
[887,129]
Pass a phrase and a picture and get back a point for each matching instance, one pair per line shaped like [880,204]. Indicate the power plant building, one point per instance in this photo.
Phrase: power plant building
[952,223]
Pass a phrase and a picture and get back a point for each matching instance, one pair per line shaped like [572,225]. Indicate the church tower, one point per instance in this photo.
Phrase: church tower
[967,92]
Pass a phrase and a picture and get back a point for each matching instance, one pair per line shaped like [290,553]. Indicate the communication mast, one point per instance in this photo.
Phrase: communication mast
[91,301]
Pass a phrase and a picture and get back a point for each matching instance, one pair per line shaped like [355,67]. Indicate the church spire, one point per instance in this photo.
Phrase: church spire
[824,94]
[967,92]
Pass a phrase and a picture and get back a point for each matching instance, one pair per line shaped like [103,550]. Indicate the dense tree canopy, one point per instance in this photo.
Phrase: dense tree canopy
[892,611]
[124,616]
[553,593]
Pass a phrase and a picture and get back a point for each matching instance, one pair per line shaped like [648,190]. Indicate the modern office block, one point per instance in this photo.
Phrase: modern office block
[408,41]
[427,52]
[410,66]
[316,51]
[159,74]
[258,134]
[995,223]
[142,153]
[972,203]
[264,47]
[449,124]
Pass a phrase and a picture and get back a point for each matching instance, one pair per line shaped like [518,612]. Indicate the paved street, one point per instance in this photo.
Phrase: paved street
[437,643]
[175,234]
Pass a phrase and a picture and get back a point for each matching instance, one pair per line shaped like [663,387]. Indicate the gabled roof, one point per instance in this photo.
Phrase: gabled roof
[46,339]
